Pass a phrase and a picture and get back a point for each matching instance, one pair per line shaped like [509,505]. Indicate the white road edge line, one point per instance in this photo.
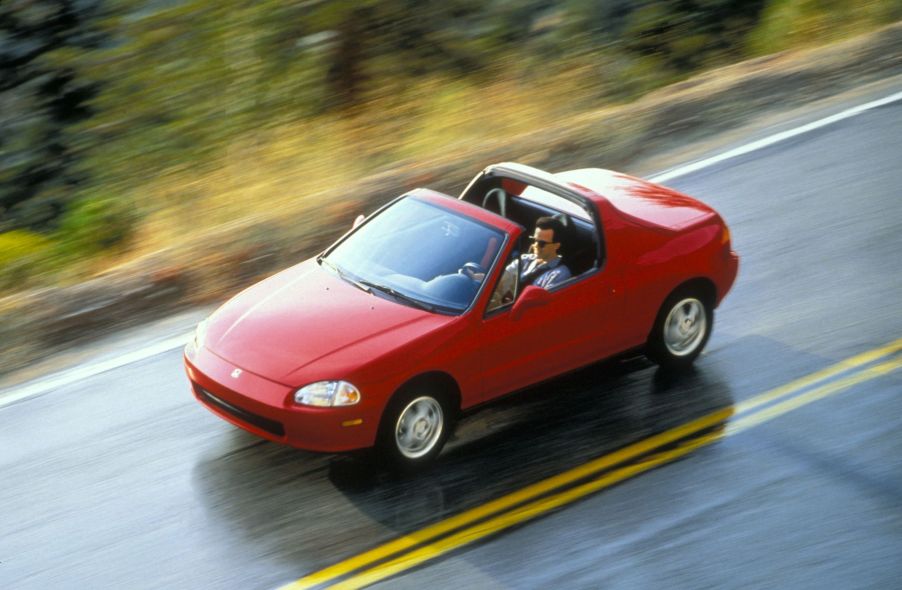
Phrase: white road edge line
[43,385]
[772,139]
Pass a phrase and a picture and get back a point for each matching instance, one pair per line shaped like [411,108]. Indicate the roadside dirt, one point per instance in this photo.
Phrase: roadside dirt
[674,124]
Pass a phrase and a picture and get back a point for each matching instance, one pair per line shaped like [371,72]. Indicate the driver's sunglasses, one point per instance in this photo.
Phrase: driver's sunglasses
[540,243]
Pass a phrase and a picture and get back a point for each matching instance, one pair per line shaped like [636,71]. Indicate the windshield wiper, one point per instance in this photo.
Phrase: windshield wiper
[360,285]
[398,295]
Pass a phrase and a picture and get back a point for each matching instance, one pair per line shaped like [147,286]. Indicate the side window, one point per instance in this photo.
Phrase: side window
[506,290]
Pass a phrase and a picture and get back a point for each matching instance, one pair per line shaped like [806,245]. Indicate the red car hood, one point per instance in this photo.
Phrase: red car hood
[300,316]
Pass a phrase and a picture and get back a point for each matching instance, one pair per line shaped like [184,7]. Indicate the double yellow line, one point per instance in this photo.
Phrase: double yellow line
[790,392]
[532,501]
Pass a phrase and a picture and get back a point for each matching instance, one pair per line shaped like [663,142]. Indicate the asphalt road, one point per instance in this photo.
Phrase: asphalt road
[122,480]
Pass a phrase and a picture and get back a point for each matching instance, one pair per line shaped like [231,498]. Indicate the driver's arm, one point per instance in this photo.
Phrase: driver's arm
[504,291]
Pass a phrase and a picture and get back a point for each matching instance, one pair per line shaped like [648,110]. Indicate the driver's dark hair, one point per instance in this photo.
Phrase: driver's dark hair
[552,224]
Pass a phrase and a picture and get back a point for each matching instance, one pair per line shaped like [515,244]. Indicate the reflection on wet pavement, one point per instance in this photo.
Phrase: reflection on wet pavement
[334,506]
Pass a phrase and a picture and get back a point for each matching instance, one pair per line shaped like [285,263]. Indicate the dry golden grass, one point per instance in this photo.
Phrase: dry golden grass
[283,173]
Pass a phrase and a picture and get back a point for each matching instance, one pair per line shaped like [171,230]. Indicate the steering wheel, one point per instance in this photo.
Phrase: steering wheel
[470,269]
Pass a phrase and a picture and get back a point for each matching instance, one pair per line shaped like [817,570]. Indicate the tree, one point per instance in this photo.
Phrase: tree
[683,34]
[39,100]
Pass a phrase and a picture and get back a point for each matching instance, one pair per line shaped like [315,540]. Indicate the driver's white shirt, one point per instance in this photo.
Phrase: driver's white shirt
[556,272]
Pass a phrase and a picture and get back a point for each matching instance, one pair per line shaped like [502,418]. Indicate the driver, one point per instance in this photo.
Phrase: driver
[542,266]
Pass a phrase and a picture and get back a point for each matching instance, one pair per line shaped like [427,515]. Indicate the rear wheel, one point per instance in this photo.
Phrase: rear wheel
[681,329]
[414,428]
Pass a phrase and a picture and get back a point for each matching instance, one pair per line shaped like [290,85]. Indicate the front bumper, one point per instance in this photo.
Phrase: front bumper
[265,408]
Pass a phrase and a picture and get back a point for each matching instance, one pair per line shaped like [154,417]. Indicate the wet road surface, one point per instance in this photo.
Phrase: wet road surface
[123,480]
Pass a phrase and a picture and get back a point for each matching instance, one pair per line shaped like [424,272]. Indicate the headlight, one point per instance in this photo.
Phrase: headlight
[200,335]
[327,393]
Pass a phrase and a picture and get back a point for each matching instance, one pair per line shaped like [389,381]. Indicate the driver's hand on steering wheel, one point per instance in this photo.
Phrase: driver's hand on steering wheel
[476,276]
[473,270]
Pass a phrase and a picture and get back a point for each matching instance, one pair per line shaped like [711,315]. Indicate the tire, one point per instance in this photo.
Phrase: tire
[414,427]
[681,329]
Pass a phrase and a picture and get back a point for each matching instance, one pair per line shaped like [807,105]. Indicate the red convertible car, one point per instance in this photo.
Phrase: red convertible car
[423,309]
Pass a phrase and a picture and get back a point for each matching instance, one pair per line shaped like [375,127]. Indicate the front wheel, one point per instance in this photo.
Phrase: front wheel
[414,429]
[681,330]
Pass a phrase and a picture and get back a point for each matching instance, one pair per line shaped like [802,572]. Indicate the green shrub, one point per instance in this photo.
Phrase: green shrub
[638,75]
[791,23]
[96,224]
[23,255]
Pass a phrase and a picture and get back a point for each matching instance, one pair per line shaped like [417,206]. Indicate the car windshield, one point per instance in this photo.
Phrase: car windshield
[419,254]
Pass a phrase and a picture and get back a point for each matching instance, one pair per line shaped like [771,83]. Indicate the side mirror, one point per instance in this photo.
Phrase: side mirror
[358,221]
[531,296]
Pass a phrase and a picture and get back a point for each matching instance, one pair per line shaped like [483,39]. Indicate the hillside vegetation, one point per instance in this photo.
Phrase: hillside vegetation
[129,126]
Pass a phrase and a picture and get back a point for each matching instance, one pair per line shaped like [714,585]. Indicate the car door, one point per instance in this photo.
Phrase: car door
[567,327]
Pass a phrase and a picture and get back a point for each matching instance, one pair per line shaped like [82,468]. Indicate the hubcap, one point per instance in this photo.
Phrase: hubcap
[685,327]
[419,427]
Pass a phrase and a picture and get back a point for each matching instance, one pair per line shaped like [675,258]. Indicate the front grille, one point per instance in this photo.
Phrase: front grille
[270,426]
